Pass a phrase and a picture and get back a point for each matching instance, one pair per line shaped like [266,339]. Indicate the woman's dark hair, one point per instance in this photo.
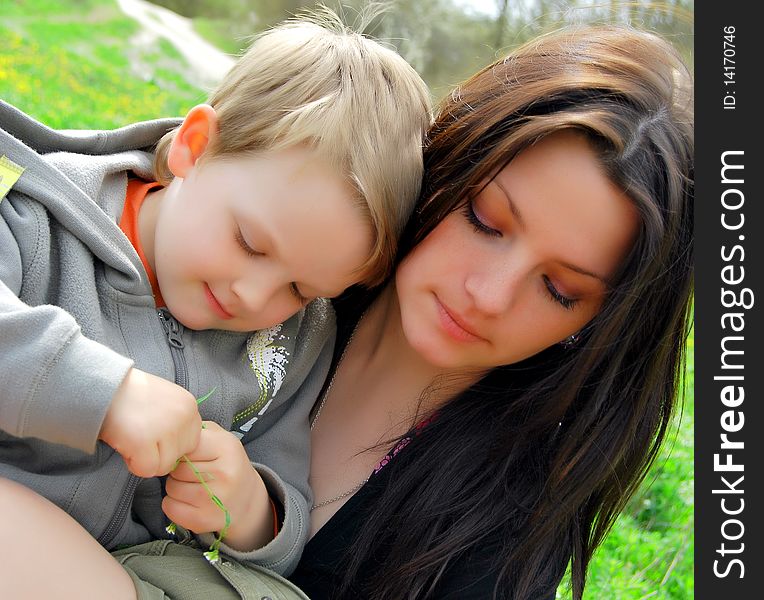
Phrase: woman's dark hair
[537,459]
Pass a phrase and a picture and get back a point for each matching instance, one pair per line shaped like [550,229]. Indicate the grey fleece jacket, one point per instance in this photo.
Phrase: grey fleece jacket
[77,312]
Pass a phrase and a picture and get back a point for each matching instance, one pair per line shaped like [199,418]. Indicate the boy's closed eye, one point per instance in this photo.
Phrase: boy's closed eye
[293,287]
[239,236]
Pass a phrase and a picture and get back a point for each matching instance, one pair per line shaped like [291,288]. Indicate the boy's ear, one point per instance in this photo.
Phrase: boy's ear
[193,137]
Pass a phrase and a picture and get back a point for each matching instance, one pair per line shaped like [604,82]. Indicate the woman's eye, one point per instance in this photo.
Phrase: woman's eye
[244,245]
[474,220]
[296,293]
[564,301]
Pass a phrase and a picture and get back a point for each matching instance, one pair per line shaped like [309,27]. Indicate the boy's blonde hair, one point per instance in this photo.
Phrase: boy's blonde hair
[314,80]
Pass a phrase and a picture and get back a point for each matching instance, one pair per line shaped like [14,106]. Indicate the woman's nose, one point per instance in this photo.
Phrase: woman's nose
[494,288]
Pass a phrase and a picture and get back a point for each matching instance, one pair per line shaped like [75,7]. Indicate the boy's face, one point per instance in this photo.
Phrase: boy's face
[243,243]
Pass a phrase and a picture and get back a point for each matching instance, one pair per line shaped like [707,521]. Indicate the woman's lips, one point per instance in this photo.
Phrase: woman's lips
[216,307]
[454,326]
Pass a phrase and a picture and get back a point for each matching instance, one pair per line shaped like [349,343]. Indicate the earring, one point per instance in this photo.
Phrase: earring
[571,340]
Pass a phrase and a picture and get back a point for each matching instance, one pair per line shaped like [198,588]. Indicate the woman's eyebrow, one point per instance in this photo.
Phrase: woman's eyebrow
[583,271]
[516,213]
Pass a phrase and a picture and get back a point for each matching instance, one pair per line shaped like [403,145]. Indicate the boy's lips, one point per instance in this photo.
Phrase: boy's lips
[215,305]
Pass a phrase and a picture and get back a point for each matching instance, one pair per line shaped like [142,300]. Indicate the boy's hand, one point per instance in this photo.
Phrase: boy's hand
[152,423]
[225,466]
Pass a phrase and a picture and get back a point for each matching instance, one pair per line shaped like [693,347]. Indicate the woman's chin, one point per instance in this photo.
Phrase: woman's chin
[438,352]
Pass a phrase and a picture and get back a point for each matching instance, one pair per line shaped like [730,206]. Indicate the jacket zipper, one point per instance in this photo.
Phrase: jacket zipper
[119,515]
[174,333]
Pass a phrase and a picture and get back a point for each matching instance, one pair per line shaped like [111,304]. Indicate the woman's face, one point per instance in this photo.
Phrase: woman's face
[524,265]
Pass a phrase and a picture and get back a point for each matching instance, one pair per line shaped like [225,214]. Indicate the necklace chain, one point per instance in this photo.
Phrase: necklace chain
[324,396]
[350,492]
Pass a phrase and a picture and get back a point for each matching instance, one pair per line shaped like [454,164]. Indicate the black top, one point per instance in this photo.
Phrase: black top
[320,570]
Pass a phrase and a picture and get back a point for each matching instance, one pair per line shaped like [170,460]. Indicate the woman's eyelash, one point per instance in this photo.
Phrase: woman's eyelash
[244,245]
[474,220]
[297,294]
[564,301]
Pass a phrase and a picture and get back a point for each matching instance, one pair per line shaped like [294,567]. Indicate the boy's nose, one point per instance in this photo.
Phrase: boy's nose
[254,293]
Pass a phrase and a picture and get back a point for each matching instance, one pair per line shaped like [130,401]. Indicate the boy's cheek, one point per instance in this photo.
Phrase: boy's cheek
[205,250]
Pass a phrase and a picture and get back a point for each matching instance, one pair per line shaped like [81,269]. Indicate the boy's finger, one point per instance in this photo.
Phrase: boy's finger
[184,472]
[189,493]
[144,464]
[211,426]
[191,517]
[204,452]
[213,443]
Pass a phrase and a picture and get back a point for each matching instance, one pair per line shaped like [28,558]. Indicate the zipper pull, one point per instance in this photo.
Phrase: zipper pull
[172,328]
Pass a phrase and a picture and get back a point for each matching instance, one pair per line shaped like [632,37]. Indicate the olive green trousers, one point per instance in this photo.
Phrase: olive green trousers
[164,570]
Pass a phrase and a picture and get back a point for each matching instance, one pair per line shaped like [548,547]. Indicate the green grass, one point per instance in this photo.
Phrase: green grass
[218,33]
[70,64]
[48,8]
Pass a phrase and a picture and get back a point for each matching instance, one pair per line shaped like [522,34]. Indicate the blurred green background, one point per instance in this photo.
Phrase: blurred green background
[87,64]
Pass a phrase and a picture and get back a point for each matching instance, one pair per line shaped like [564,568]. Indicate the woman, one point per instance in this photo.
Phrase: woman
[524,363]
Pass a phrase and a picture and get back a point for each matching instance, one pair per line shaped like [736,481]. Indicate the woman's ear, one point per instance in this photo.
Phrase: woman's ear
[193,137]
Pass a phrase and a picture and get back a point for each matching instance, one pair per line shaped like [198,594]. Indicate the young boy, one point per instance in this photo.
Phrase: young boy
[118,278]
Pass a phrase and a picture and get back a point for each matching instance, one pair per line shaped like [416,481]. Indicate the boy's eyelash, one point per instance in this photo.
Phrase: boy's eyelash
[296,292]
[474,220]
[564,301]
[243,244]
